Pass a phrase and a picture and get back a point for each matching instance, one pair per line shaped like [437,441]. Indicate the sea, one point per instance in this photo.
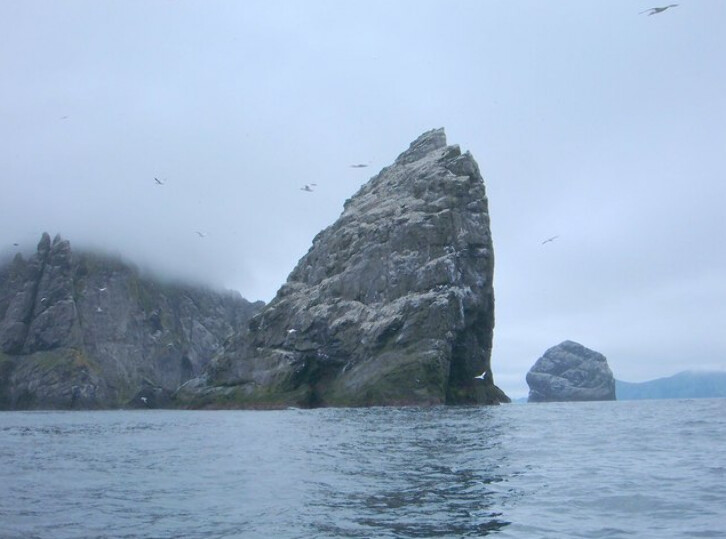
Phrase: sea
[630,469]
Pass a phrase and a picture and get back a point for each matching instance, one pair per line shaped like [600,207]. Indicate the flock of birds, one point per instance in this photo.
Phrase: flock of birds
[649,11]
[162,182]
[308,188]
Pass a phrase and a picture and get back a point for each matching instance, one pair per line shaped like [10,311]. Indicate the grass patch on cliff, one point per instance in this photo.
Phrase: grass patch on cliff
[411,377]
[79,360]
[66,361]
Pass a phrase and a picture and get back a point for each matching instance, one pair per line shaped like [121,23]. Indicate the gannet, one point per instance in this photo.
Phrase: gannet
[656,10]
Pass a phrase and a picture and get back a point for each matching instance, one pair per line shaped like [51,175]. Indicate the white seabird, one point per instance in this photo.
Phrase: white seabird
[553,238]
[656,10]
[481,376]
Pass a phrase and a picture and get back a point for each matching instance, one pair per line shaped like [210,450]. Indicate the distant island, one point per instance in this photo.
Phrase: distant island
[570,372]
[684,385]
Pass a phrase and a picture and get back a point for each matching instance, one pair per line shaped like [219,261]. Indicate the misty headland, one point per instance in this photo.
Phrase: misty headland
[393,304]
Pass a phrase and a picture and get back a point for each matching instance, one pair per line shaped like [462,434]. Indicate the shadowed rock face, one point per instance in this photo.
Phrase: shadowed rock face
[392,304]
[83,331]
[570,372]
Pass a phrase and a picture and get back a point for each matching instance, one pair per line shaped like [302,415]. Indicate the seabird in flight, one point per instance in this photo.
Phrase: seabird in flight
[656,10]
[291,331]
[201,234]
[359,165]
[307,187]
[158,181]
[102,289]
[143,399]
[481,376]
[553,238]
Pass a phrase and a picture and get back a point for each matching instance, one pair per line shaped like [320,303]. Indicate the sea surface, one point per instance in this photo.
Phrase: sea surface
[636,469]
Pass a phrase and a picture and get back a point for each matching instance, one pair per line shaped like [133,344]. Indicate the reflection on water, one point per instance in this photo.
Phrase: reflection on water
[637,469]
[412,473]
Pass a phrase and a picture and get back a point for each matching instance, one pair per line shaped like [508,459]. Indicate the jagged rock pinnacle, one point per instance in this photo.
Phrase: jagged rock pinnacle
[392,304]
[423,145]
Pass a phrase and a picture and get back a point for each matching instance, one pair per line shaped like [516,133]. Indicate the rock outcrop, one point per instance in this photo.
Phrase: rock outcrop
[570,372]
[79,330]
[393,303]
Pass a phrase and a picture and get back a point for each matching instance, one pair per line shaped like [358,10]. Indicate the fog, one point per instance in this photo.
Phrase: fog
[590,121]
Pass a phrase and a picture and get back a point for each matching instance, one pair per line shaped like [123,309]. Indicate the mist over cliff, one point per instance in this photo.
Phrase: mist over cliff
[85,330]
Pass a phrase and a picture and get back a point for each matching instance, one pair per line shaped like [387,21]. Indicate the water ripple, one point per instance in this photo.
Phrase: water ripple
[587,470]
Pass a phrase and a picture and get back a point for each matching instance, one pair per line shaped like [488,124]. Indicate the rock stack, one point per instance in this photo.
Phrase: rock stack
[392,305]
[570,372]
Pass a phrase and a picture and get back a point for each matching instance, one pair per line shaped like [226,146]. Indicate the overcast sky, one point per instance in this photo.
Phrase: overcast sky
[588,120]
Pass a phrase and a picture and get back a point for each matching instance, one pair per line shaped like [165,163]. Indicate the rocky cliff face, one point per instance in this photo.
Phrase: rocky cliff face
[79,330]
[570,372]
[393,303]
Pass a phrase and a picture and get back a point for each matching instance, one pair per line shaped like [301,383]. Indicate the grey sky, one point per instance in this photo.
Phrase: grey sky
[588,120]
